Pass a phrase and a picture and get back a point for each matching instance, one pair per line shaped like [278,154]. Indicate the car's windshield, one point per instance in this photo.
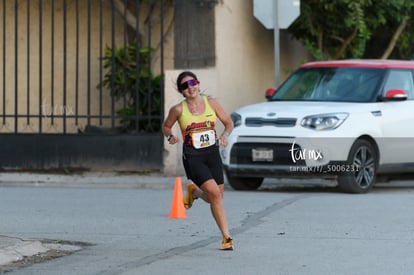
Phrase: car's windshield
[331,84]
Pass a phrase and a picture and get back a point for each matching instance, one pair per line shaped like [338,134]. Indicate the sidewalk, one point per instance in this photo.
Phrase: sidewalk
[88,179]
[15,249]
[17,252]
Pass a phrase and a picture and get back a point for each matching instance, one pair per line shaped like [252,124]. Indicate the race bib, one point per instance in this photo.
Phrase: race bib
[203,139]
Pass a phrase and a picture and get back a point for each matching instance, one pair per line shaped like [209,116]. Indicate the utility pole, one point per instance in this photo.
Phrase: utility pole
[276,38]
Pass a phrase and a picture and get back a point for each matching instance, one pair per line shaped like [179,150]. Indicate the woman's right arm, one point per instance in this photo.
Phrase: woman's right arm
[169,122]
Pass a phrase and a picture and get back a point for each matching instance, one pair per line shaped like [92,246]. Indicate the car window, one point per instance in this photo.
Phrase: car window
[400,79]
[331,84]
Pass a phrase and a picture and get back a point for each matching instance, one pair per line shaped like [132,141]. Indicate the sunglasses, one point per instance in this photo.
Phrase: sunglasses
[191,82]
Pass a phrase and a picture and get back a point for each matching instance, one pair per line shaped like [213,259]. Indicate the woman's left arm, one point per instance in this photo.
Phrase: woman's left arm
[224,118]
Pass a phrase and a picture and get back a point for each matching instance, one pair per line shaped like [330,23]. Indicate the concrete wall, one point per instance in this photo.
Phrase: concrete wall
[244,66]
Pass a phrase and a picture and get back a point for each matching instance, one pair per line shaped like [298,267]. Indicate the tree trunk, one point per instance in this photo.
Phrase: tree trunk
[129,17]
[394,38]
[345,44]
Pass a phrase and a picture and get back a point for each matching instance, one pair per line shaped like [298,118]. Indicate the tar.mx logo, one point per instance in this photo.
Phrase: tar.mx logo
[49,110]
[303,154]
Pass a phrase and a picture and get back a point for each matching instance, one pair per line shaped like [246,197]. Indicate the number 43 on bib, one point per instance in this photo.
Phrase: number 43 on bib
[203,139]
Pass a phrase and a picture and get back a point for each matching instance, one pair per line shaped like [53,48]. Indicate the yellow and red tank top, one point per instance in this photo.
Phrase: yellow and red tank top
[198,130]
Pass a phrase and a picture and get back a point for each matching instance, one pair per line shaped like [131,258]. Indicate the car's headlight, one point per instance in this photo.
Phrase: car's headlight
[236,119]
[324,121]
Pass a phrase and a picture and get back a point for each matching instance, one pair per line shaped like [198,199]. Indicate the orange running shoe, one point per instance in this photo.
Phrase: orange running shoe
[189,198]
[227,244]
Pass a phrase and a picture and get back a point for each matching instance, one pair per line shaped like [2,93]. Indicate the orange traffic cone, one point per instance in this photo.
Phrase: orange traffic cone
[177,206]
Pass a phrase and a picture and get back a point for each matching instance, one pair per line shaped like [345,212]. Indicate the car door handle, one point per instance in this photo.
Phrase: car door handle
[376,113]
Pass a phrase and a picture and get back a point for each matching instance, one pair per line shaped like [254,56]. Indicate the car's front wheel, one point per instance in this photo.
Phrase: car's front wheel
[239,183]
[361,173]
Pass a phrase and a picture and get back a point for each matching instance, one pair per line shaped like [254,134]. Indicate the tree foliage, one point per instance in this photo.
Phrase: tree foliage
[356,29]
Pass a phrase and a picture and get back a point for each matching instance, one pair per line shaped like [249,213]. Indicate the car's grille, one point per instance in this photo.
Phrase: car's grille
[279,122]
[241,153]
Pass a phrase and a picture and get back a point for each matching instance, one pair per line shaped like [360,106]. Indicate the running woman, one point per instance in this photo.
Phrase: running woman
[196,116]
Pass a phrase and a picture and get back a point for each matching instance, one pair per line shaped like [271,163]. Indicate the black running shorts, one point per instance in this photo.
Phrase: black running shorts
[200,168]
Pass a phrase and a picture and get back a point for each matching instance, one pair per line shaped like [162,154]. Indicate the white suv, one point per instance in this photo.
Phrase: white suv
[349,119]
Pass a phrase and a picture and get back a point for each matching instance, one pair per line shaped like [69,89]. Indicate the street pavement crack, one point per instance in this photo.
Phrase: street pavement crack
[256,218]
[249,222]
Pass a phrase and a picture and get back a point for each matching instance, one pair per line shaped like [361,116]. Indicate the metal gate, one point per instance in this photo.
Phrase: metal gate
[81,84]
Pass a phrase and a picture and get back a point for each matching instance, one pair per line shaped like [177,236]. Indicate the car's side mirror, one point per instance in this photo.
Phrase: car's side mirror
[269,93]
[395,95]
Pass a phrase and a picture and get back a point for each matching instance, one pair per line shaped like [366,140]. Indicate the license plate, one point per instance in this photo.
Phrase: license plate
[262,154]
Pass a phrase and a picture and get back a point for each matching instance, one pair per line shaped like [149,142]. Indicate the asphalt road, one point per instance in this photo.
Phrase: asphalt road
[293,228]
